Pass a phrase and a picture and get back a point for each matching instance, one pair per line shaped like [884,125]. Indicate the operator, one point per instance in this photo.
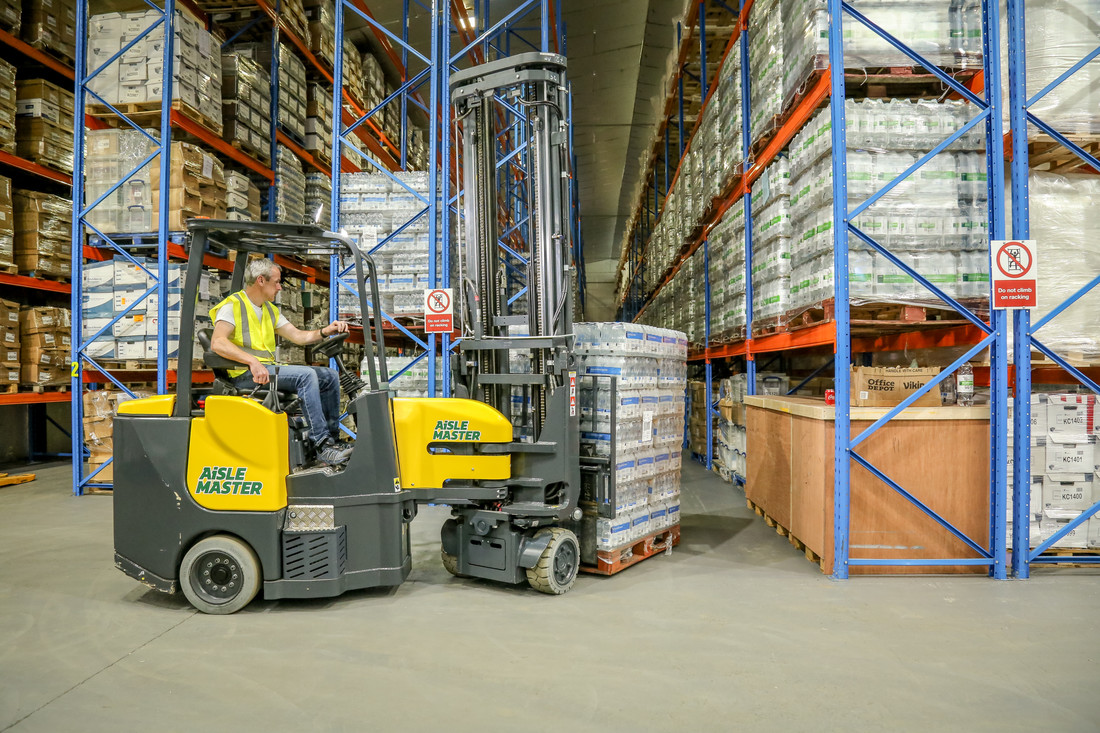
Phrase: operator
[245,324]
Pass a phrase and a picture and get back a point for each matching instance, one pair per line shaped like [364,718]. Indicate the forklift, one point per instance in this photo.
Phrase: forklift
[216,493]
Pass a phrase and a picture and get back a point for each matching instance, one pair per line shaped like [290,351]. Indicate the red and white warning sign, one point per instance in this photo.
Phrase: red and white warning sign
[572,394]
[439,311]
[1014,274]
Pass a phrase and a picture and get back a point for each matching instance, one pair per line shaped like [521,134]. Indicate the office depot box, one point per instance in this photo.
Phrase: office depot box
[130,328]
[9,314]
[888,386]
[1054,521]
[1069,458]
[1070,417]
[130,349]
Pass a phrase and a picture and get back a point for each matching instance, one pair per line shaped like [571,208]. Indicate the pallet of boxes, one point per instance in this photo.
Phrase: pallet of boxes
[134,83]
[117,288]
[43,230]
[631,399]
[7,228]
[45,346]
[1064,461]
[9,346]
[100,408]
[7,107]
[44,124]
[50,26]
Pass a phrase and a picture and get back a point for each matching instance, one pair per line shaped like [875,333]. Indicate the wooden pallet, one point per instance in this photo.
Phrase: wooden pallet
[609,562]
[42,388]
[887,317]
[21,478]
[264,156]
[1069,553]
[9,389]
[784,532]
[769,326]
[1046,153]
[150,111]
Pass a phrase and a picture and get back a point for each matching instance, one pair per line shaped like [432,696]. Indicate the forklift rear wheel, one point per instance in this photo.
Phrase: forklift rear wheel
[450,563]
[220,575]
[556,570]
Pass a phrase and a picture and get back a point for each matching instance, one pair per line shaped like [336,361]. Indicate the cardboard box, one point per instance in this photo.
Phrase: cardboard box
[1067,491]
[9,314]
[1069,417]
[9,337]
[9,356]
[1069,458]
[37,320]
[34,374]
[9,374]
[106,473]
[888,386]
[97,403]
[1054,521]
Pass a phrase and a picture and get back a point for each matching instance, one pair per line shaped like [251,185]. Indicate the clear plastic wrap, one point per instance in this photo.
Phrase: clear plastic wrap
[935,221]
[945,34]
[1058,35]
[1064,223]
[766,65]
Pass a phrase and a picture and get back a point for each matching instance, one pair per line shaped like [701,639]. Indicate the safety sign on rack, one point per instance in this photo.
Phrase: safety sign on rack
[439,311]
[1014,274]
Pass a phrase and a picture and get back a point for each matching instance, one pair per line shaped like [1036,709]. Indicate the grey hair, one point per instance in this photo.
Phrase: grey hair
[259,267]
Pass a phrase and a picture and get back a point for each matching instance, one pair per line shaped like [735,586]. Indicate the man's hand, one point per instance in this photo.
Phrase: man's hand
[334,328]
[260,375]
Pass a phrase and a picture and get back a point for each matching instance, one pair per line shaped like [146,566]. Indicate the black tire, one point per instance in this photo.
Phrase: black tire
[220,575]
[450,563]
[556,570]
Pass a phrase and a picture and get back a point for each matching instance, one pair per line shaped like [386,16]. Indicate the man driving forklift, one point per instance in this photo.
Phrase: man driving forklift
[245,324]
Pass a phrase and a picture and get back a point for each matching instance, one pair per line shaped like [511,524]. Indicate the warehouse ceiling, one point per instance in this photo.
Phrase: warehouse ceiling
[618,60]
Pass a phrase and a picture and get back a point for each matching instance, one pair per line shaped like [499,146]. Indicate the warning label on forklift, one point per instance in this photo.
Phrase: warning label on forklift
[227,480]
[455,430]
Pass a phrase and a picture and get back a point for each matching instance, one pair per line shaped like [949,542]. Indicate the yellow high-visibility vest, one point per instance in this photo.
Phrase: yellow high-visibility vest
[255,336]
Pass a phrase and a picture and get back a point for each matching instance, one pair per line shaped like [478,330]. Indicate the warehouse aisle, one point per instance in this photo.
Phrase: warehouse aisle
[734,630]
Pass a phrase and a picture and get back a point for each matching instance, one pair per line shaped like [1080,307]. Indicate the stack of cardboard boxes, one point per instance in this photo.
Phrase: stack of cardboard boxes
[196,187]
[11,16]
[242,197]
[319,122]
[117,288]
[7,227]
[44,124]
[45,344]
[246,105]
[7,107]
[100,408]
[1064,462]
[322,29]
[43,230]
[9,345]
[196,181]
[292,84]
[290,196]
[136,78]
[293,14]
[50,25]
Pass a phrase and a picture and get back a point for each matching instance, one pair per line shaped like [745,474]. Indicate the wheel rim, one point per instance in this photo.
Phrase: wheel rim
[216,577]
[565,563]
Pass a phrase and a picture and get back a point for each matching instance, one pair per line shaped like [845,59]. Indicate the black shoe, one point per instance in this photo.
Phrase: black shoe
[332,453]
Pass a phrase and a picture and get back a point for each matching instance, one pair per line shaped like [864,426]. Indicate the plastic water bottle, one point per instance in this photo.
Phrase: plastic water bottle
[965,385]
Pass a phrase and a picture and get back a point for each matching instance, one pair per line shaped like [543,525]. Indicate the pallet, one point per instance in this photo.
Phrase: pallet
[9,269]
[609,562]
[42,388]
[769,326]
[21,478]
[143,111]
[784,532]
[9,389]
[1044,150]
[51,276]
[1069,553]
[264,156]
[876,318]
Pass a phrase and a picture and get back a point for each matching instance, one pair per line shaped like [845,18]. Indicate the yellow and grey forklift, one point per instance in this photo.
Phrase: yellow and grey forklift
[216,492]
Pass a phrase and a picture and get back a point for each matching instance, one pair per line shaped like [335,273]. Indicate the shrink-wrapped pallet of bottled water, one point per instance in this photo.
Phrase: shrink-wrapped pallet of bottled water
[766,65]
[935,221]
[945,34]
[633,380]
[771,243]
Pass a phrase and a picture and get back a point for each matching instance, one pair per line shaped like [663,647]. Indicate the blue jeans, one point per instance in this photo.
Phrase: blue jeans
[318,388]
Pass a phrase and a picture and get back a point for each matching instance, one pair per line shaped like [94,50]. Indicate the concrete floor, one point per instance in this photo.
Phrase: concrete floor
[733,631]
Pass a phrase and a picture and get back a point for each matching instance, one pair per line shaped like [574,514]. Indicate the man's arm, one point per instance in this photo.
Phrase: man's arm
[222,346]
[304,338]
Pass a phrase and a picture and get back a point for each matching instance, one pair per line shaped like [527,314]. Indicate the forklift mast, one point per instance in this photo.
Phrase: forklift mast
[532,87]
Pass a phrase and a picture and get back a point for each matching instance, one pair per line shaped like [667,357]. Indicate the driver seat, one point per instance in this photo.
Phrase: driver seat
[223,383]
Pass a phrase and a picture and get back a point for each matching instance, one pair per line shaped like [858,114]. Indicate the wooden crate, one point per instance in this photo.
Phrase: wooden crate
[790,480]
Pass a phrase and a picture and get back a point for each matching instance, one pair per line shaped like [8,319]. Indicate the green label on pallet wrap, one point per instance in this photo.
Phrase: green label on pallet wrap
[455,430]
[227,480]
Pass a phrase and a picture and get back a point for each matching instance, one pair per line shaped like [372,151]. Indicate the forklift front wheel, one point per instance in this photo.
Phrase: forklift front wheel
[220,575]
[450,563]
[556,570]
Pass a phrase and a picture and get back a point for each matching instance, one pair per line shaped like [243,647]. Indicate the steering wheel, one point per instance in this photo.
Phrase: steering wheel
[331,346]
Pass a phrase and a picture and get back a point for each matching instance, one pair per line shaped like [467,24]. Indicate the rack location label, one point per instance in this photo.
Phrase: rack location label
[439,311]
[1014,274]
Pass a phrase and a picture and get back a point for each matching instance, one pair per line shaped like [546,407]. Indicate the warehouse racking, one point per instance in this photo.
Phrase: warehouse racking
[365,139]
[970,330]
[34,62]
